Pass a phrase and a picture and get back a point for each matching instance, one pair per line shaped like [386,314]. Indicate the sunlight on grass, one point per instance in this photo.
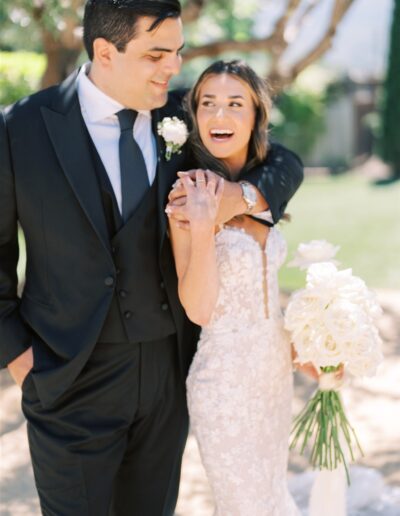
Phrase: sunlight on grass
[29,64]
[351,212]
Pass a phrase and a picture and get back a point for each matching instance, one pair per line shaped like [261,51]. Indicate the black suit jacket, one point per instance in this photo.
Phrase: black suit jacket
[48,184]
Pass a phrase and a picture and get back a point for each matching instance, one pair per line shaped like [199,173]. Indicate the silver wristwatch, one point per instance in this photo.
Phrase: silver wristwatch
[249,195]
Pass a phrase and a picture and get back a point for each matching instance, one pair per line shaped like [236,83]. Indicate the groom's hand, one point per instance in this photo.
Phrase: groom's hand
[231,204]
[176,205]
[20,367]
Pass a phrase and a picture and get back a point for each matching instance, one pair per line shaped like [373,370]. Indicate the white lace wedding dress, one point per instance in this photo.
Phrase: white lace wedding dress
[240,382]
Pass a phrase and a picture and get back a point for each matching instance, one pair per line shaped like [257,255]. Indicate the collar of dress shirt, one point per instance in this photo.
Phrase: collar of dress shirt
[96,104]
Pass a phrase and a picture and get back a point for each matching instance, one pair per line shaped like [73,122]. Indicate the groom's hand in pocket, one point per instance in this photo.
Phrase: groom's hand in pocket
[19,368]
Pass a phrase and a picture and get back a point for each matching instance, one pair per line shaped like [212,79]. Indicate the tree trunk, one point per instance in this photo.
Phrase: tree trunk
[61,60]
[62,48]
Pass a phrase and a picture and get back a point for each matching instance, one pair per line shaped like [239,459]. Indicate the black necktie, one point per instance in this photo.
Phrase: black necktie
[134,178]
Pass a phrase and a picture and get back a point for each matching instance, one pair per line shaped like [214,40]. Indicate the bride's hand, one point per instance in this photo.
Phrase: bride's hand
[203,197]
[311,371]
[307,368]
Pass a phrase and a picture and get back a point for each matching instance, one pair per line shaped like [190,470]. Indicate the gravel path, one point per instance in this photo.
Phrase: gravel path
[373,406]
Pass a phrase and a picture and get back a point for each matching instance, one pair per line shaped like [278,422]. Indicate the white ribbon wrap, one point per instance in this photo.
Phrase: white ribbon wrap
[330,381]
[329,490]
[328,493]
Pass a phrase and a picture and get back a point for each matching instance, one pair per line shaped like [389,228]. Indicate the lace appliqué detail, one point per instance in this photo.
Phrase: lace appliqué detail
[240,382]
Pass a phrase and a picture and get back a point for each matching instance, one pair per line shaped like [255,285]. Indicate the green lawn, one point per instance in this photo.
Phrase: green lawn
[348,211]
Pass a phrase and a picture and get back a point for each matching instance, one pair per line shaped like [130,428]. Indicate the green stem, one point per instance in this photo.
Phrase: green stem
[321,422]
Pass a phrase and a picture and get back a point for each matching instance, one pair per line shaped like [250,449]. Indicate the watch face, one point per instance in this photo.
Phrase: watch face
[249,196]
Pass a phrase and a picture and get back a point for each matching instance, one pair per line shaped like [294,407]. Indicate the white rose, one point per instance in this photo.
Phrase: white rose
[326,275]
[330,352]
[173,131]
[346,321]
[303,307]
[365,365]
[314,252]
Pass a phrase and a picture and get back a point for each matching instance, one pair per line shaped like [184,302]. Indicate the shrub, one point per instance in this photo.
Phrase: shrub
[298,119]
[20,74]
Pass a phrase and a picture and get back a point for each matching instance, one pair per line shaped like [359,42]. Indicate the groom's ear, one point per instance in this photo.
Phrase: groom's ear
[102,52]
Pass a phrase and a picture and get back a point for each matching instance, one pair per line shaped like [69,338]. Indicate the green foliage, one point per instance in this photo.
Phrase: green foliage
[20,74]
[391,111]
[19,29]
[298,118]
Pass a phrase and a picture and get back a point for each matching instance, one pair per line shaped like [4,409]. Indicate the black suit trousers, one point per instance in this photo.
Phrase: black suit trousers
[112,445]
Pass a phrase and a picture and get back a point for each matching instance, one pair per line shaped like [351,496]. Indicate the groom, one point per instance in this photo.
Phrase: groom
[99,341]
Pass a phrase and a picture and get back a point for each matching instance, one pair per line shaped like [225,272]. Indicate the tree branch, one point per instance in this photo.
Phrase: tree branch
[340,8]
[282,22]
[218,47]
[280,44]
[273,43]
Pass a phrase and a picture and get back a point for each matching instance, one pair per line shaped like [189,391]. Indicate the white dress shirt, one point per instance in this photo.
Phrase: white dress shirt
[98,111]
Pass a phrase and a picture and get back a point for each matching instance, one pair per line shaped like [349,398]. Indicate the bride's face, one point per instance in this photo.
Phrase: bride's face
[225,117]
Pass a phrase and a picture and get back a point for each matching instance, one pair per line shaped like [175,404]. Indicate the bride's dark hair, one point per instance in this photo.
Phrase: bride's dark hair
[258,144]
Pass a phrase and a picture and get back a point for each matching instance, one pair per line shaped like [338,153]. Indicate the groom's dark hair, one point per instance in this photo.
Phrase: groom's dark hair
[115,20]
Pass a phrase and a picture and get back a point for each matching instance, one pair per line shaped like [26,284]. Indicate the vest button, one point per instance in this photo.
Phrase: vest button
[164,307]
[123,294]
[128,314]
[109,282]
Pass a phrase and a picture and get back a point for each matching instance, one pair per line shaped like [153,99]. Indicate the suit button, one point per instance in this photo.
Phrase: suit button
[164,307]
[162,285]
[128,314]
[123,294]
[118,271]
[109,282]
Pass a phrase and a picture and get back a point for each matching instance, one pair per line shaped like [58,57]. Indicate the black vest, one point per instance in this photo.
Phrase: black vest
[139,309]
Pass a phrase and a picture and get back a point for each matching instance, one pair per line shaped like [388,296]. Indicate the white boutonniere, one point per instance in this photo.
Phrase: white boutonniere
[175,134]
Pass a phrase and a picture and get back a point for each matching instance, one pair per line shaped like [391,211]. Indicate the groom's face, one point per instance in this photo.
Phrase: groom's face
[140,76]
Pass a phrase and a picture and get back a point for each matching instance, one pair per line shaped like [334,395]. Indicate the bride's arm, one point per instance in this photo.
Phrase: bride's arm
[194,250]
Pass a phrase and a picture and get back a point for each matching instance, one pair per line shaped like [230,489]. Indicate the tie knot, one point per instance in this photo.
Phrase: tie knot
[126,118]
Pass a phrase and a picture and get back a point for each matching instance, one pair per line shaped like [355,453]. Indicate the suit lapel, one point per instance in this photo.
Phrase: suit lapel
[67,133]
[166,174]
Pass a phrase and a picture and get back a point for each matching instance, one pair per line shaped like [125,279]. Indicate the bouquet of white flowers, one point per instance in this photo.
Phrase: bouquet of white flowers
[333,324]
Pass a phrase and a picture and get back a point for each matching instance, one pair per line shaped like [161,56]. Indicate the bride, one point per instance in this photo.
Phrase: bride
[240,383]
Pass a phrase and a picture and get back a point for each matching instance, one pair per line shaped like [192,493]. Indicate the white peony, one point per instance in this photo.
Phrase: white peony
[314,252]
